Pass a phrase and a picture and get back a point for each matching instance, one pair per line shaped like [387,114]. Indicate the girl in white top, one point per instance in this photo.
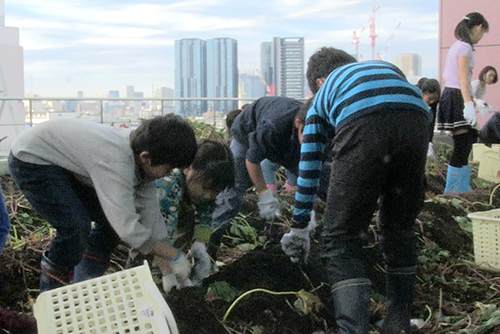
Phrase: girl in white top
[487,76]
[456,108]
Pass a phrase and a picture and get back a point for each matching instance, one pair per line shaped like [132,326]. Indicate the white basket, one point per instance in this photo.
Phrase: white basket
[126,302]
[478,149]
[486,235]
[489,166]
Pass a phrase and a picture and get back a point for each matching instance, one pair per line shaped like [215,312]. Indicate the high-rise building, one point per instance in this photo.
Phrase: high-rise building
[409,63]
[12,117]
[190,76]
[165,93]
[113,106]
[250,87]
[289,55]
[2,13]
[114,94]
[285,75]
[266,67]
[129,92]
[222,73]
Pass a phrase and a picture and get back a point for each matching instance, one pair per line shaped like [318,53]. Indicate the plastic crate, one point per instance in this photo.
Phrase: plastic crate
[126,302]
[489,166]
[486,236]
[478,149]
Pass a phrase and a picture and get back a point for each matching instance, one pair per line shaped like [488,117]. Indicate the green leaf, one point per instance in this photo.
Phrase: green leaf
[224,291]
[246,247]
[307,302]
[257,329]
[457,203]
[492,323]
[464,223]
[242,232]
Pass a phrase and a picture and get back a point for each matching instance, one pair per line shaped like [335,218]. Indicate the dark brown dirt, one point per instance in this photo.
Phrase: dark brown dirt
[266,268]
[448,282]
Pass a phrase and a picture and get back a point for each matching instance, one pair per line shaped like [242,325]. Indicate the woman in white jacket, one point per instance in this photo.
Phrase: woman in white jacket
[487,76]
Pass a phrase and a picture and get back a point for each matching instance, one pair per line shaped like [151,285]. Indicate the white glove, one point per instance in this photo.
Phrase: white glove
[297,243]
[269,206]
[470,113]
[181,267]
[169,281]
[202,262]
[430,151]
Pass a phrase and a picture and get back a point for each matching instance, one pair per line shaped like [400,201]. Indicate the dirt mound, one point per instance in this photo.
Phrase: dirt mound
[452,292]
[263,268]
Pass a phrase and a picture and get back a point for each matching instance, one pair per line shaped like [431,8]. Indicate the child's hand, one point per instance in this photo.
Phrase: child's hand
[178,265]
[181,267]
[169,281]
[202,262]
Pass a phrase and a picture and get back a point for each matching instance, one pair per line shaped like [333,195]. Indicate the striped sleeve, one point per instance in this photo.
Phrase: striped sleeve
[311,160]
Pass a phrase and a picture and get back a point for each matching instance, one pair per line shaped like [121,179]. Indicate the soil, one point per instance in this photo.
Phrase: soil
[449,283]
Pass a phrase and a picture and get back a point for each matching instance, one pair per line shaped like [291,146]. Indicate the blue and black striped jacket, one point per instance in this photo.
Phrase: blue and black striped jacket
[351,91]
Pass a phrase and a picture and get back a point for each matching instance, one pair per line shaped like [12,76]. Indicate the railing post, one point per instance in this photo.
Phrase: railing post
[30,106]
[102,111]
[162,100]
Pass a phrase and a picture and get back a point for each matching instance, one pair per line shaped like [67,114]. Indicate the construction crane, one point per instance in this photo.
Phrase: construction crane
[373,36]
[355,41]
[270,89]
[381,54]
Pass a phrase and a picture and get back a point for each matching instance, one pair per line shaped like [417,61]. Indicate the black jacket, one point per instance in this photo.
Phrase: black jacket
[490,133]
[266,126]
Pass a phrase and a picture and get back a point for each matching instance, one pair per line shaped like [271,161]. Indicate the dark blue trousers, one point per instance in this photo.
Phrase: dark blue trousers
[70,207]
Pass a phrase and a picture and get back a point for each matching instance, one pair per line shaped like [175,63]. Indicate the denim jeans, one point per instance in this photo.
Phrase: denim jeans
[4,221]
[269,170]
[70,207]
[378,158]
[228,202]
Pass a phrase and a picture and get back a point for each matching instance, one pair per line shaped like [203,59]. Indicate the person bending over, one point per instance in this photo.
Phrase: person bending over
[95,185]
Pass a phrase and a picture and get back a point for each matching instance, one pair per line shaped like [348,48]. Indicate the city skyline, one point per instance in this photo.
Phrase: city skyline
[94,47]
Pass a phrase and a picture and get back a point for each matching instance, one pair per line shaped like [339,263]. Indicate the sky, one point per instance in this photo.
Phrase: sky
[96,46]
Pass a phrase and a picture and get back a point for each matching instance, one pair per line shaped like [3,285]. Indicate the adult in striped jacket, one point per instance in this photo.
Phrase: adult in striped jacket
[380,125]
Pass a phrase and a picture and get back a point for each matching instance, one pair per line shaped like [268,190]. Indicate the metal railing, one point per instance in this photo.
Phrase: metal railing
[103,109]
[17,113]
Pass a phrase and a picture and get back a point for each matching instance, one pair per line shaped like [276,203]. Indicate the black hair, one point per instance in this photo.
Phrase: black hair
[302,112]
[169,140]
[464,27]
[323,62]
[429,86]
[231,116]
[214,165]
[486,70]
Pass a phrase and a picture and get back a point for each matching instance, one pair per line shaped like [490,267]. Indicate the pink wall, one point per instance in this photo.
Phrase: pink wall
[488,49]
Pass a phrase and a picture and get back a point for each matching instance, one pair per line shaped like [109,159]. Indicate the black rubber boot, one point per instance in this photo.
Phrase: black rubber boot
[53,276]
[91,266]
[351,303]
[400,284]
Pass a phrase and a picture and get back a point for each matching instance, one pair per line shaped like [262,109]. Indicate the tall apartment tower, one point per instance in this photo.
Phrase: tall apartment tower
[285,75]
[222,73]
[12,115]
[190,76]
[266,68]
[289,66]
[409,63]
